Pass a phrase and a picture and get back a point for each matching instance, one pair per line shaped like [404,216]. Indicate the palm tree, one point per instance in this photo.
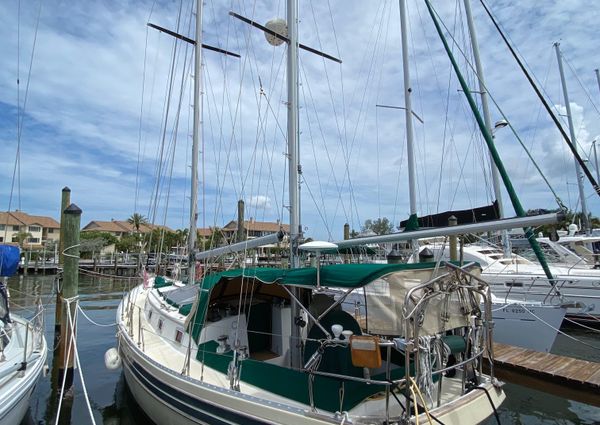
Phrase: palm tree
[21,237]
[181,236]
[137,220]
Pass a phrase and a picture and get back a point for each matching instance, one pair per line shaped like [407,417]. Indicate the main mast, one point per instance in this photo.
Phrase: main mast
[412,182]
[293,151]
[292,130]
[584,211]
[196,139]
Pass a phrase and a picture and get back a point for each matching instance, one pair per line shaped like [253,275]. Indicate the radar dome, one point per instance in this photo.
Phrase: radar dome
[279,26]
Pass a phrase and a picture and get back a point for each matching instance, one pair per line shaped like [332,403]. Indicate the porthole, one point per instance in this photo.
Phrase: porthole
[178,336]
[160,324]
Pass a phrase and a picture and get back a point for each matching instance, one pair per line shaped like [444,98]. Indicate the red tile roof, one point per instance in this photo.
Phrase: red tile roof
[21,218]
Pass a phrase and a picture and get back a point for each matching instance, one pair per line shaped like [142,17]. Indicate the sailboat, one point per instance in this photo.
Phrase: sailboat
[573,286]
[22,348]
[270,346]
[520,279]
[524,323]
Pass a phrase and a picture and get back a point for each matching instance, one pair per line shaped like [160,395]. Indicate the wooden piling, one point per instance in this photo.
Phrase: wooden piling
[241,232]
[346,237]
[26,263]
[64,203]
[453,221]
[70,289]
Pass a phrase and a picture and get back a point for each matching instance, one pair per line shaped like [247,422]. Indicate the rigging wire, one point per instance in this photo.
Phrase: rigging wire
[344,132]
[19,114]
[448,142]
[347,144]
[348,147]
[235,117]
[343,93]
[333,104]
[21,111]
[537,120]
[479,149]
[173,141]
[161,164]
[543,100]
[582,126]
[484,158]
[587,93]
[420,148]
[139,156]
[557,198]
[377,94]
[331,161]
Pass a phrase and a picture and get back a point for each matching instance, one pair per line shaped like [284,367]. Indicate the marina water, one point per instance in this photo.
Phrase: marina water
[113,404]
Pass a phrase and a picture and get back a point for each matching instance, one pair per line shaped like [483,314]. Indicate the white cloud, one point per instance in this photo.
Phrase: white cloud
[260,202]
[82,122]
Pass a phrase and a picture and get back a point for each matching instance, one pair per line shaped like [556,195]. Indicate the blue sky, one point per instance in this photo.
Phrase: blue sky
[95,110]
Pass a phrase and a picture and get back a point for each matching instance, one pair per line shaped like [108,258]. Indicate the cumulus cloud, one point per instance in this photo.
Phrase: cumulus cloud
[260,202]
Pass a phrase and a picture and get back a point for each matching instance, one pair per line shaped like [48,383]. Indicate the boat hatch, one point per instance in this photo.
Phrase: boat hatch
[180,296]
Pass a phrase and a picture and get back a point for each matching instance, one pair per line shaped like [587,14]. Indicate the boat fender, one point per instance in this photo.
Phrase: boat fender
[112,360]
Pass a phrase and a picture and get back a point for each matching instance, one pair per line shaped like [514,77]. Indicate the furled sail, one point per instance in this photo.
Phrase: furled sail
[468,216]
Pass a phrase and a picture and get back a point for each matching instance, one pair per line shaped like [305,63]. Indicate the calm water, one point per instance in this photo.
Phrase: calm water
[113,404]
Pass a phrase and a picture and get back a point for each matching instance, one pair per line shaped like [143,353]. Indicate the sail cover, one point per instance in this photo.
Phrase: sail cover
[9,259]
[468,216]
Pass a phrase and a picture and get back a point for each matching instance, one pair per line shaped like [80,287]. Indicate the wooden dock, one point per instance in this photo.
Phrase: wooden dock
[563,376]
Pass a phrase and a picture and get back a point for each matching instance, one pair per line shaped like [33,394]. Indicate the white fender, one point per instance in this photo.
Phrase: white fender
[112,360]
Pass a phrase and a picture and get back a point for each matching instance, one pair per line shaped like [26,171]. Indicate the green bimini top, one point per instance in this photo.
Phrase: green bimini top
[334,276]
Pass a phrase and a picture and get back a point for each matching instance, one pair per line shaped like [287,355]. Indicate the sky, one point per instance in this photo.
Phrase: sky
[93,99]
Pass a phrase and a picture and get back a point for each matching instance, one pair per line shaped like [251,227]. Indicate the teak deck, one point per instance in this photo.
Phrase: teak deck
[564,376]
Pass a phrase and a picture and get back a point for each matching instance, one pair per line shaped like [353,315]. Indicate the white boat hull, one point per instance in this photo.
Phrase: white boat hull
[583,291]
[152,369]
[172,399]
[17,386]
[13,414]
[527,325]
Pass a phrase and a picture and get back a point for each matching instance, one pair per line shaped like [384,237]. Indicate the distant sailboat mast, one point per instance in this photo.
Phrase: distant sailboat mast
[594,142]
[584,210]
[487,119]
